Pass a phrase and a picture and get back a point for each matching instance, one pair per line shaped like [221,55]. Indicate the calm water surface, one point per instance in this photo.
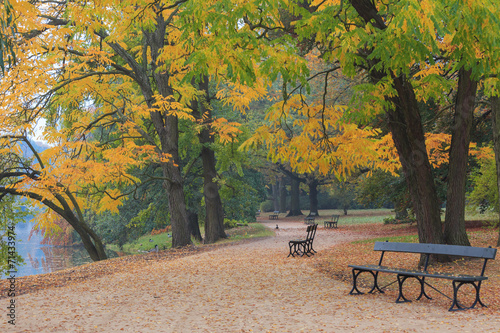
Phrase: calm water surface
[41,259]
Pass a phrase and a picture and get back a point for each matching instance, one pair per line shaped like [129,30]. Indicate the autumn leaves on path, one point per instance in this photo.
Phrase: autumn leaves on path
[250,287]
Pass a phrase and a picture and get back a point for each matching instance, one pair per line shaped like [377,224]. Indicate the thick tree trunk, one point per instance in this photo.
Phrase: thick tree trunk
[166,127]
[407,132]
[214,213]
[454,224]
[276,196]
[177,206]
[194,226]
[495,109]
[295,198]
[408,135]
[313,197]
[214,220]
[282,189]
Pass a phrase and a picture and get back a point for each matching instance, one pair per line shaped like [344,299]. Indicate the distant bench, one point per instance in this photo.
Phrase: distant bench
[427,249]
[333,222]
[310,219]
[274,215]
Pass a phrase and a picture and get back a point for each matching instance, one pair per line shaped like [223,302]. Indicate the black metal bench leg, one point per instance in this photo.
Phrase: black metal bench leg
[456,306]
[401,281]
[422,289]
[293,249]
[355,290]
[291,253]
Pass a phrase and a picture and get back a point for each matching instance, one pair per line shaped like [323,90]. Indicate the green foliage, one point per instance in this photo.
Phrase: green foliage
[10,213]
[267,206]
[229,223]
[392,220]
[147,242]
[240,199]
[144,211]
[381,189]
[484,183]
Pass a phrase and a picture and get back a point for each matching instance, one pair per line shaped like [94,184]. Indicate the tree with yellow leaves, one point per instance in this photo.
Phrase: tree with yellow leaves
[112,81]
[410,52]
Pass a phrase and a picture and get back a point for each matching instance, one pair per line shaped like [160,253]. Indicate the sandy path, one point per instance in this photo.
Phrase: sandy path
[249,287]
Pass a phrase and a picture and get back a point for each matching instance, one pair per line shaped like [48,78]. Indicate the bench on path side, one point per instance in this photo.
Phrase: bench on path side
[458,280]
[274,215]
[304,246]
[309,219]
[333,222]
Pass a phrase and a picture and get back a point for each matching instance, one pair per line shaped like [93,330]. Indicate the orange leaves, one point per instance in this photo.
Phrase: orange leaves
[171,107]
[226,130]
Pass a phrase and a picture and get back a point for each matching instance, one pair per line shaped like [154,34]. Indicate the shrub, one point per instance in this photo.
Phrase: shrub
[392,220]
[229,223]
[267,206]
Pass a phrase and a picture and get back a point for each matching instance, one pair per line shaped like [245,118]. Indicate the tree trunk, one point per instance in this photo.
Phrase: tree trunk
[454,224]
[166,127]
[214,220]
[295,198]
[313,197]
[495,110]
[408,135]
[407,132]
[282,189]
[214,213]
[276,196]
[177,206]
[194,226]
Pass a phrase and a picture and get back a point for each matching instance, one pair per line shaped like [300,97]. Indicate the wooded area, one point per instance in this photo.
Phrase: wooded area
[180,113]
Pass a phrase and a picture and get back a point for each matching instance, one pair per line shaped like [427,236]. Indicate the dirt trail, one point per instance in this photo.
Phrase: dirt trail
[249,287]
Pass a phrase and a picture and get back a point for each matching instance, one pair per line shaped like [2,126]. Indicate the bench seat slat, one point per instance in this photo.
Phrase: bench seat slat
[440,249]
[412,272]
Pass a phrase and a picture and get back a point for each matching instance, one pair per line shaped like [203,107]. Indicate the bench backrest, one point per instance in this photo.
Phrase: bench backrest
[335,218]
[311,231]
[438,249]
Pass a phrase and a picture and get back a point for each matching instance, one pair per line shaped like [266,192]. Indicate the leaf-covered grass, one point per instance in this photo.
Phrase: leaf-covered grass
[335,261]
[252,230]
[147,242]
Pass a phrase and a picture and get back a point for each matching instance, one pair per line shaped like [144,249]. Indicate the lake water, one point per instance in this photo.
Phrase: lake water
[41,259]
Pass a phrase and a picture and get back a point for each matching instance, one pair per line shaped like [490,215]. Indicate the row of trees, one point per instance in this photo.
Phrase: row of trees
[128,88]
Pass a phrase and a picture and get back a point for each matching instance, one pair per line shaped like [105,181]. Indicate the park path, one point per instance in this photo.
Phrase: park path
[249,287]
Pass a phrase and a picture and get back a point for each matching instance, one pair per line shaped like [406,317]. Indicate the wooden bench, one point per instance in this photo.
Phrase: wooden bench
[303,247]
[309,219]
[427,250]
[274,215]
[333,222]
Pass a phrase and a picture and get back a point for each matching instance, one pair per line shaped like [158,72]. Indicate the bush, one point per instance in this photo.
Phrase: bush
[392,220]
[229,224]
[267,206]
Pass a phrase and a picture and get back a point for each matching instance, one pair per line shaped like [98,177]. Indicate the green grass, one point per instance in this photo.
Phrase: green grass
[143,244]
[364,216]
[473,215]
[253,230]
[357,216]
